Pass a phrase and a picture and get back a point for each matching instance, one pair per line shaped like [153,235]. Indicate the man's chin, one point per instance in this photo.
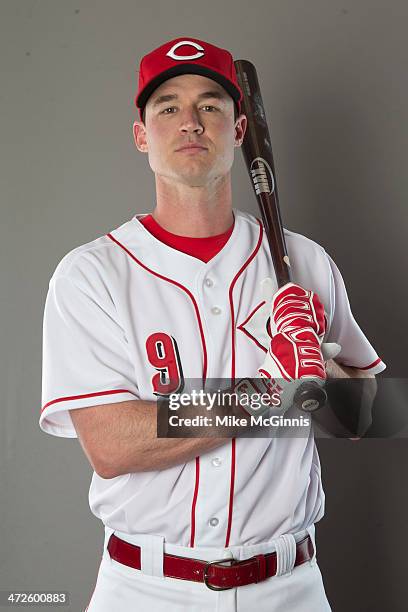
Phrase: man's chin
[191,179]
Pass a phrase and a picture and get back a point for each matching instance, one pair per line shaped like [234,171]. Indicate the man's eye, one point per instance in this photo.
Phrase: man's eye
[208,106]
[170,108]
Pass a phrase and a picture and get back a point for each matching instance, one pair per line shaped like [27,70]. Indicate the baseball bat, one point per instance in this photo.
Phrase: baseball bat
[257,151]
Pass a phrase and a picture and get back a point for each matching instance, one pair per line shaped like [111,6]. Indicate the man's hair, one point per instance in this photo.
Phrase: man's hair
[236,115]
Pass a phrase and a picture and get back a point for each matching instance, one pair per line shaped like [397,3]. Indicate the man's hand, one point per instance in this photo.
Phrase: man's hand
[295,308]
[296,327]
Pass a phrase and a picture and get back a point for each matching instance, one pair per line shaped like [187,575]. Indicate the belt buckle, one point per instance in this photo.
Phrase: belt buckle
[217,562]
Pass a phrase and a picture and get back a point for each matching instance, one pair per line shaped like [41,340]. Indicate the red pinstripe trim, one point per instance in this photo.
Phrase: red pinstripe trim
[197,312]
[75,397]
[193,505]
[231,497]
[247,333]
[251,314]
[180,286]
[251,337]
[376,362]
[233,441]
[231,289]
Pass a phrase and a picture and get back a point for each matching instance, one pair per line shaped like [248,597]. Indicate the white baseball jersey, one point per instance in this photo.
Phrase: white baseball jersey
[125,307]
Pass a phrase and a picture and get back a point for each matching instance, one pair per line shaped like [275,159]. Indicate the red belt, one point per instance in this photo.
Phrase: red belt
[215,574]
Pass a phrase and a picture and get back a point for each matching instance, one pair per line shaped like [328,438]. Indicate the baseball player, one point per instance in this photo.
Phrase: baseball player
[202,523]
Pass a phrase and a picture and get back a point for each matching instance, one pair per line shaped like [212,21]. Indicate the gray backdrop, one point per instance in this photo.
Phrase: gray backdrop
[334,83]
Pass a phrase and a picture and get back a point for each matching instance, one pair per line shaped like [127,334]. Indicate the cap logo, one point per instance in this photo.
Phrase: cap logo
[182,43]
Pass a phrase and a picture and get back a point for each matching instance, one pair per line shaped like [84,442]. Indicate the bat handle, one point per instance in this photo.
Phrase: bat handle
[310,396]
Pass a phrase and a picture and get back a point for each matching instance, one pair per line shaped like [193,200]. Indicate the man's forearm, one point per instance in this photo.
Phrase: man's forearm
[337,419]
[122,438]
[127,442]
[337,370]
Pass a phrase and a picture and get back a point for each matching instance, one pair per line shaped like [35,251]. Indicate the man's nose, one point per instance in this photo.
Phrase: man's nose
[190,122]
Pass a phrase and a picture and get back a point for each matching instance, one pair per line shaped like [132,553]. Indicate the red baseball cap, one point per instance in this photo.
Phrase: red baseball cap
[186,56]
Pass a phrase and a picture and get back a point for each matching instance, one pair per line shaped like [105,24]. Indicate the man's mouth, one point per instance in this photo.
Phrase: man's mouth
[191,148]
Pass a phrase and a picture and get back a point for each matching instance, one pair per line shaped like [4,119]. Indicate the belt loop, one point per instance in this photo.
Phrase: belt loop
[261,567]
[285,554]
[152,547]
[311,531]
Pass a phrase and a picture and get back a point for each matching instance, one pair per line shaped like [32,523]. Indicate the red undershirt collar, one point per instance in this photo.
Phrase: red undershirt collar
[202,248]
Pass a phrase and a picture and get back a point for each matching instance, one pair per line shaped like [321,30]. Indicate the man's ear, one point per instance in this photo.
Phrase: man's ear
[139,135]
[240,128]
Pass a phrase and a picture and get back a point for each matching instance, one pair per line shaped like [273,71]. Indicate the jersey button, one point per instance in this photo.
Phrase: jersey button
[213,521]
[216,310]
[208,282]
[216,462]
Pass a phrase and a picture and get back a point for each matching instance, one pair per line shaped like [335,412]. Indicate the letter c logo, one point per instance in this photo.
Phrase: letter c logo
[181,43]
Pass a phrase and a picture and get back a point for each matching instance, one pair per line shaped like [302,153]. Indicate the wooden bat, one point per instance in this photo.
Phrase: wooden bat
[257,150]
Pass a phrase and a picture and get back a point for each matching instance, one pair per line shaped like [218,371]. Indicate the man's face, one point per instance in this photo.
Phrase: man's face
[195,112]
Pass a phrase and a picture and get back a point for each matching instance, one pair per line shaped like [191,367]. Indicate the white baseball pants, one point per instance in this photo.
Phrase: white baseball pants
[123,589]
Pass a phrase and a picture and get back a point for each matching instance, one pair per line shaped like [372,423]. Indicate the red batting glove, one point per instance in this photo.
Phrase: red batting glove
[297,354]
[297,327]
[296,308]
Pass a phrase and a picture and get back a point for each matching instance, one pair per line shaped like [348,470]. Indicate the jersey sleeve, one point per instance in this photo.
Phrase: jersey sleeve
[86,358]
[356,350]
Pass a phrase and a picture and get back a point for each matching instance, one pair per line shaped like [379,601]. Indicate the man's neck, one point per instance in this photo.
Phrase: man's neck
[194,211]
